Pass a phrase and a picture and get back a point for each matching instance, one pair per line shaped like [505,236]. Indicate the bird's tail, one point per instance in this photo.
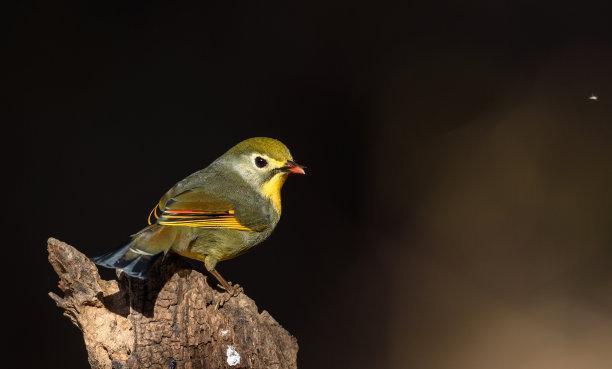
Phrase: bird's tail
[136,258]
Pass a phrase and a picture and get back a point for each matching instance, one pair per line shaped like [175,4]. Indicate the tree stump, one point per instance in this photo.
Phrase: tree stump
[172,320]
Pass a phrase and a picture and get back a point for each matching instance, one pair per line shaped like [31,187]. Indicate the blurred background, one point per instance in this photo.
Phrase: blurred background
[457,211]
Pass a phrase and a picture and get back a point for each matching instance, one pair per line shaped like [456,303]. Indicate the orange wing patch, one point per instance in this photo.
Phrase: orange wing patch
[197,219]
[153,213]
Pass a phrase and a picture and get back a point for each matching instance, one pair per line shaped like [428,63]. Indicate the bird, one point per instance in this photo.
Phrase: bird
[214,214]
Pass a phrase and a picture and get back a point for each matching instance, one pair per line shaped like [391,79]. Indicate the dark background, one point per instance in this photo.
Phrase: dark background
[457,211]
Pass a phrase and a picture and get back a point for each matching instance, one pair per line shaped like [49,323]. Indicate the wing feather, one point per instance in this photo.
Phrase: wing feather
[196,208]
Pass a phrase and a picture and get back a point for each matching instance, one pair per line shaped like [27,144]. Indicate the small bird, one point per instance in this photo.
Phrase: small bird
[214,214]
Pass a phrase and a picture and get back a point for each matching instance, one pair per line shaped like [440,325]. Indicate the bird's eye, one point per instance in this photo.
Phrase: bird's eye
[260,162]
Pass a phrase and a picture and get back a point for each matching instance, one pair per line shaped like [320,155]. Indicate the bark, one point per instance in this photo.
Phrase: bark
[172,320]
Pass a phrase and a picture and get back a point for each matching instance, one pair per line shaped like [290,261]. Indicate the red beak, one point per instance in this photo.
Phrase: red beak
[293,167]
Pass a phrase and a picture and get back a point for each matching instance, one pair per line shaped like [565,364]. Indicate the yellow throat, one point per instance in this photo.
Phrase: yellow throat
[272,190]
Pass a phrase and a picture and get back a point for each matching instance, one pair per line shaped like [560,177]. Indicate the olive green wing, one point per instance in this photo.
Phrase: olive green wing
[199,209]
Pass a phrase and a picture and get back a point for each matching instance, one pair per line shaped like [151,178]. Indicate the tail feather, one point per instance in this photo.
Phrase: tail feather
[136,258]
[132,264]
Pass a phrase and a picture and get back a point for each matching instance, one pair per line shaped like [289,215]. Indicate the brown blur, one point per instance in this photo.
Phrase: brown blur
[502,233]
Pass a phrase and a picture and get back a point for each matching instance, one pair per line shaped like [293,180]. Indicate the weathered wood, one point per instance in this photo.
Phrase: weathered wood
[173,320]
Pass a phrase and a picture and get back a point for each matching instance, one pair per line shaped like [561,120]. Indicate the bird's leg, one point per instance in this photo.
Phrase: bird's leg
[226,286]
[210,263]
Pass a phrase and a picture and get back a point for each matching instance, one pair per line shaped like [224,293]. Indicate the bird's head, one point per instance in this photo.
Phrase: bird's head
[264,163]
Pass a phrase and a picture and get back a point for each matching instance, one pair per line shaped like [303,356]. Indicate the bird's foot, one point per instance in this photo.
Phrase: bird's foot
[232,289]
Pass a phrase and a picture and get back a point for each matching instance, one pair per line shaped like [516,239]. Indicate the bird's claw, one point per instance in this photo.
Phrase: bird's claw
[233,290]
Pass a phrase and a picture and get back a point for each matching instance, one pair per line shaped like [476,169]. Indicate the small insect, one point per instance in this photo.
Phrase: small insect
[593,97]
